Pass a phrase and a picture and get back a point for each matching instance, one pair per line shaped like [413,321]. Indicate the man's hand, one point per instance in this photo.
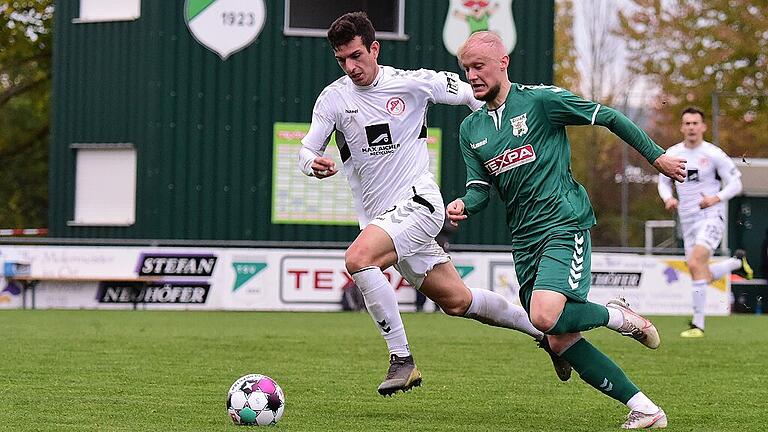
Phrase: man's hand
[323,167]
[708,201]
[672,167]
[671,204]
[455,211]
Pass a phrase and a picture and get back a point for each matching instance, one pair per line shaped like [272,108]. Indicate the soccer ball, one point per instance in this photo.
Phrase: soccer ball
[255,400]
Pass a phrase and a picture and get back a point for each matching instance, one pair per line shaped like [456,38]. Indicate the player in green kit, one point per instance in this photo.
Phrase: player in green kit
[517,144]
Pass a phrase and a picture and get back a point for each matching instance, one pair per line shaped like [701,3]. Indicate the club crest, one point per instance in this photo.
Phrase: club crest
[468,16]
[519,125]
[395,106]
[224,26]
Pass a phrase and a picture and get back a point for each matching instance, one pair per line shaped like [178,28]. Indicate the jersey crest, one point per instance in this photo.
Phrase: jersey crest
[519,125]
[395,105]
[224,26]
[509,159]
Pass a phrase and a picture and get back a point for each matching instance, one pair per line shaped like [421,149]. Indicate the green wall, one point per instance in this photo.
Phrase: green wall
[748,229]
[202,127]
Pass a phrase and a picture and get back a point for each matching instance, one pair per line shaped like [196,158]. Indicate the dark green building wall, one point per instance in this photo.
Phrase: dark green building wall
[202,127]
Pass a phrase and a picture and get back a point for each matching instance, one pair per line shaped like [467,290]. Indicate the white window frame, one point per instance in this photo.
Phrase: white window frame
[298,31]
[105,184]
[92,11]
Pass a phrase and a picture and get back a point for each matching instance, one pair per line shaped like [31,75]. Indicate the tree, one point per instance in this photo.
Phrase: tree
[25,88]
[566,70]
[693,50]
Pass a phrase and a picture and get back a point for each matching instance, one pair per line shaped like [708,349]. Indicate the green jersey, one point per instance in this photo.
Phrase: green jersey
[523,151]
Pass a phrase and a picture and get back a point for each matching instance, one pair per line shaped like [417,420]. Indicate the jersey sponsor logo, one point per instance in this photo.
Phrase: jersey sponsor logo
[395,105]
[519,125]
[379,140]
[511,158]
[451,83]
[479,144]
[350,111]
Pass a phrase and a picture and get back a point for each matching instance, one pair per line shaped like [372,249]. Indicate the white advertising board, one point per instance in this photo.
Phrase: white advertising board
[294,279]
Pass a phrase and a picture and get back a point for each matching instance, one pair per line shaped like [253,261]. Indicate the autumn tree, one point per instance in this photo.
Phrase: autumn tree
[566,55]
[25,88]
[700,52]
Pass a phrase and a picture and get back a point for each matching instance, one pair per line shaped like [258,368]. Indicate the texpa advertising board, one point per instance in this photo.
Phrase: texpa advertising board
[293,279]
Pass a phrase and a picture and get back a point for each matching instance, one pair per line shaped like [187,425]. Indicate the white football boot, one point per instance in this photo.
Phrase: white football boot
[639,420]
[635,326]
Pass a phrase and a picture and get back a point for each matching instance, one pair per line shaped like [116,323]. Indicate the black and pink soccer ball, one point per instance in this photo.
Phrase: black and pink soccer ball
[255,400]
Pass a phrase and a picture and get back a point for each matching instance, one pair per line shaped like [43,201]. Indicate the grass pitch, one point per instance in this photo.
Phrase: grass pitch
[170,371]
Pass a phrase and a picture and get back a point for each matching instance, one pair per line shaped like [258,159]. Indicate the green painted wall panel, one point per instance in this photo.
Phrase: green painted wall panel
[202,127]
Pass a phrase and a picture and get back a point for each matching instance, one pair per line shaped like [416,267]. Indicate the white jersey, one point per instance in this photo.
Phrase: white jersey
[381,132]
[706,166]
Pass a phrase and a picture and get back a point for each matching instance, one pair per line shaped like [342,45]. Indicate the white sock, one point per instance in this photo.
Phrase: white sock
[640,402]
[492,308]
[699,302]
[615,318]
[724,267]
[381,302]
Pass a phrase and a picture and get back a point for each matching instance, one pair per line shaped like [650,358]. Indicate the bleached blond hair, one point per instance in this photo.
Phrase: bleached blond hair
[493,42]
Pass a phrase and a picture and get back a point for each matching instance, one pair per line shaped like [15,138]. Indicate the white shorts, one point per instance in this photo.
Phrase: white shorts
[412,224]
[707,232]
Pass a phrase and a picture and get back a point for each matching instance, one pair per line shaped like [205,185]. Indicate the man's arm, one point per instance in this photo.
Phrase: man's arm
[665,192]
[624,128]
[731,178]
[565,108]
[311,160]
[478,185]
[448,88]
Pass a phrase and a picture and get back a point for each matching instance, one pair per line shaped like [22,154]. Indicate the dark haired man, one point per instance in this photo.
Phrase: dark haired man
[701,210]
[378,114]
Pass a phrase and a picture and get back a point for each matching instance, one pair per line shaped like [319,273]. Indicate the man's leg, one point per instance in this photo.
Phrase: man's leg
[728,265]
[698,264]
[444,286]
[594,367]
[563,273]
[372,251]
[599,371]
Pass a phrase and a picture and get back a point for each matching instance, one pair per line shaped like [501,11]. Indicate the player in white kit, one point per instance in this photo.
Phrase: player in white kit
[378,114]
[700,206]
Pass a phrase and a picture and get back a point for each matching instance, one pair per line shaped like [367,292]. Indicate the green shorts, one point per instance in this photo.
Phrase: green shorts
[560,262]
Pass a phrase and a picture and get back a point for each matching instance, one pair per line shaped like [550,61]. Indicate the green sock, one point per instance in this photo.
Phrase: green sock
[599,371]
[577,317]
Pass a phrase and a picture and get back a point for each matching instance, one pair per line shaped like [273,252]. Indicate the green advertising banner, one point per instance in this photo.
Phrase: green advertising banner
[298,199]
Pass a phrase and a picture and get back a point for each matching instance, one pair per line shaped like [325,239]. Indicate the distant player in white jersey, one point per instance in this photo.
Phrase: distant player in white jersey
[378,114]
[700,206]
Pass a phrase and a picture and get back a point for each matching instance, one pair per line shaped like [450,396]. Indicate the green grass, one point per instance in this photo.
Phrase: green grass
[170,371]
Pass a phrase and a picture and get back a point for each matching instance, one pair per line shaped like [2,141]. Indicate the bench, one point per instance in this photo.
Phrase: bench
[29,283]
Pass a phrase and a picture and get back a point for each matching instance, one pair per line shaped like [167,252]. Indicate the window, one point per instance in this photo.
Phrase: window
[314,17]
[105,184]
[108,10]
